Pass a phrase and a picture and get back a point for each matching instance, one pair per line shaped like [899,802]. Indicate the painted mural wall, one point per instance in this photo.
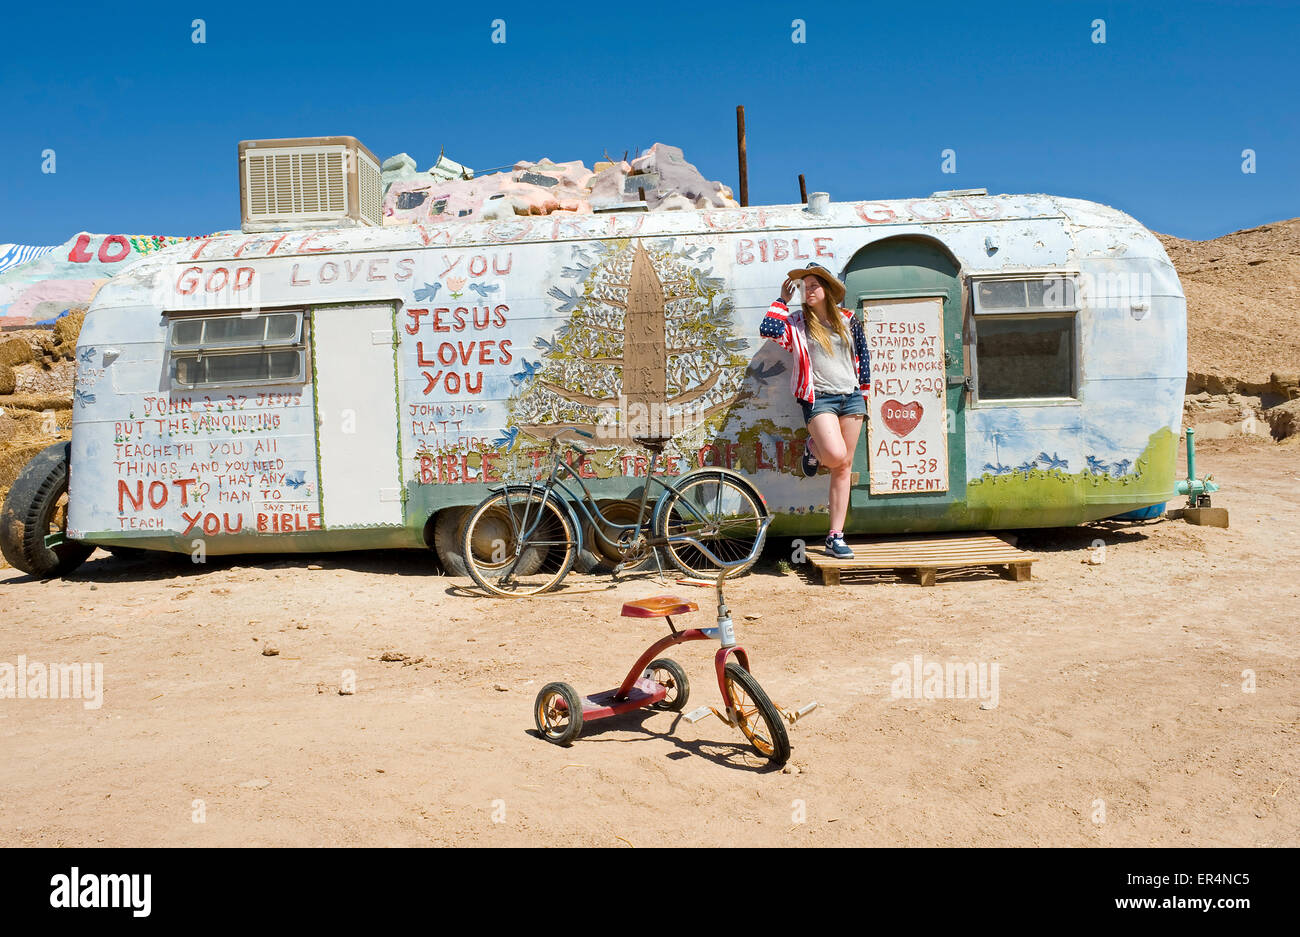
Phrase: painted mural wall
[504,331]
[40,283]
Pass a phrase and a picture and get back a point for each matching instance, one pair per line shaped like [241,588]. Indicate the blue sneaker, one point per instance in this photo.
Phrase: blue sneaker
[808,463]
[836,547]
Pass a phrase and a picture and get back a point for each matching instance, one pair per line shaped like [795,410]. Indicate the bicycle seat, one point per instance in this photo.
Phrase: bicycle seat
[658,606]
[653,443]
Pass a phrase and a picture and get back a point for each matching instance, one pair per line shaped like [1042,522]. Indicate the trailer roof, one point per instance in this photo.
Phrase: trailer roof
[565,226]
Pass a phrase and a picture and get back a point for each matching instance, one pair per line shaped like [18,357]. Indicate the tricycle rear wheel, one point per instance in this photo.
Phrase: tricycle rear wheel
[668,673]
[558,713]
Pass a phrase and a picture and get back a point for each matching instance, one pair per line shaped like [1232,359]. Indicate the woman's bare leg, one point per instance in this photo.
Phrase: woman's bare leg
[827,439]
[850,427]
[829,446]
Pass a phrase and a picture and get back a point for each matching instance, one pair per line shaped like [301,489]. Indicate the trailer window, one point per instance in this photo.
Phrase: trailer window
[1025,337]
[238,348]
[1050,293]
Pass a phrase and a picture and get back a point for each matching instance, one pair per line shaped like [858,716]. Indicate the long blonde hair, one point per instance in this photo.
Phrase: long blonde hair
[817,330]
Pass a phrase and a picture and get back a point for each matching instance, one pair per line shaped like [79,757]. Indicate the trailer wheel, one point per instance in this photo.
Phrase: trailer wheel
[35,510]
[448,531]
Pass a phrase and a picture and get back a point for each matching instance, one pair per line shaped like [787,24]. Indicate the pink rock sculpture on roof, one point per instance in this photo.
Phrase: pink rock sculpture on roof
[662,173]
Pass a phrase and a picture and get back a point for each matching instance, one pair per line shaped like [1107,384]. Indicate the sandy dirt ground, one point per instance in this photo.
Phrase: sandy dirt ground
[1121,717]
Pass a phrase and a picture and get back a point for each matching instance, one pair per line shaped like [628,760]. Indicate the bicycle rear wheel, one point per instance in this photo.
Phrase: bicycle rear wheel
[515,546]
[717,510]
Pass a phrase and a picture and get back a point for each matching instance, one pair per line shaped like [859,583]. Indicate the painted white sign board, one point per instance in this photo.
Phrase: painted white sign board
[906,434]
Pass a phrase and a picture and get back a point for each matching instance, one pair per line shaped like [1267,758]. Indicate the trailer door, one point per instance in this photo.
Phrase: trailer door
[356,415]
[912,467]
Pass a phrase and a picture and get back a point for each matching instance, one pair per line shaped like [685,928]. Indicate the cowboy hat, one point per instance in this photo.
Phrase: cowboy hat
[833,286]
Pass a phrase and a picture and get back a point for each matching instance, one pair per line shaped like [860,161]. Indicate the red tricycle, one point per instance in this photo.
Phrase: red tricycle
[660,683]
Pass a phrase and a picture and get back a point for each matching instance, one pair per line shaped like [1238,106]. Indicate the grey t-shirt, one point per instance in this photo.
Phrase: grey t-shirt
[833,373]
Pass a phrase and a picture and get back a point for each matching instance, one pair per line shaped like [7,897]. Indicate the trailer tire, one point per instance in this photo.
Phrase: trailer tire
[36,501]
[448,531]
[448,542]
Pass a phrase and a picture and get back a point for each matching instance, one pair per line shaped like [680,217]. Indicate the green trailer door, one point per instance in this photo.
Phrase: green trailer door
[911,466]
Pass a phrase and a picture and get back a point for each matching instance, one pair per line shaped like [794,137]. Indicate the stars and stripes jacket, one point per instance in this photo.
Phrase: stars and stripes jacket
[787,329]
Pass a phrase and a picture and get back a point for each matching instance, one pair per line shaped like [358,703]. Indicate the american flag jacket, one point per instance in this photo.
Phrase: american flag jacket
[787,329]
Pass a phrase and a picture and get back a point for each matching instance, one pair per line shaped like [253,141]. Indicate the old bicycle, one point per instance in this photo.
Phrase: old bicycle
[523,539]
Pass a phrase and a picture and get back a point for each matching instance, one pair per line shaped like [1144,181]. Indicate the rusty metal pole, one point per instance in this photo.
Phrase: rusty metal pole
[744,165]
[803,190]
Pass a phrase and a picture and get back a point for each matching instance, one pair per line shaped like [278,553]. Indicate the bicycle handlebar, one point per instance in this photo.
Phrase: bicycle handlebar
[573,445]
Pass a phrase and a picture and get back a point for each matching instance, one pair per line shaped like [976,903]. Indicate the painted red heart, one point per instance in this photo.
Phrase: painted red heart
[901,418]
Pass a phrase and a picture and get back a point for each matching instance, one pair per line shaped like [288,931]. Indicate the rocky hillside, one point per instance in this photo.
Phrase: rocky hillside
[1243,308]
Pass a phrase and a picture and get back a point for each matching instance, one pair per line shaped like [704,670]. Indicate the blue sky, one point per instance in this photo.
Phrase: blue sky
[144,122]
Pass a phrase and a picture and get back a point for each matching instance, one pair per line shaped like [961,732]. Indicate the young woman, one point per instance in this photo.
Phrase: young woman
[831,379]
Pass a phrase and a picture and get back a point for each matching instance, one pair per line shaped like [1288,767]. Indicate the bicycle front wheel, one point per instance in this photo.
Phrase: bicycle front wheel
[514,545]
[716,510]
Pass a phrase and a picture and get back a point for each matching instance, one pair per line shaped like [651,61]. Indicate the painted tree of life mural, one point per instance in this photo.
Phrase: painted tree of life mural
[648,350]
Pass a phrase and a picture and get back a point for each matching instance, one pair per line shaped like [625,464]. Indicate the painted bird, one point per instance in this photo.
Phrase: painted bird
[1027,467]
[296,479]
[1053,461]
[579,271]
[427,292]
[1096,466]
[998,469]
[527,374]
[86,354]
[765,372]
[1121,467]
[507,437]
[568,301]
[705,283]
[483,289]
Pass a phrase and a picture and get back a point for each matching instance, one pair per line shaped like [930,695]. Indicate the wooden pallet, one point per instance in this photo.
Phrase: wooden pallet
[925,555]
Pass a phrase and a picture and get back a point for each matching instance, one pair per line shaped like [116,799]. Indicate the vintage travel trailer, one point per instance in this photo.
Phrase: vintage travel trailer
[312,390]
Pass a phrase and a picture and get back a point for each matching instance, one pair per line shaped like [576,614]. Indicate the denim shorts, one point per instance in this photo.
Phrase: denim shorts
[849,404]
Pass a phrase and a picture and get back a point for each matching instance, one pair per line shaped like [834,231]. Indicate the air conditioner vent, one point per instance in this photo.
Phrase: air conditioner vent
[309,181]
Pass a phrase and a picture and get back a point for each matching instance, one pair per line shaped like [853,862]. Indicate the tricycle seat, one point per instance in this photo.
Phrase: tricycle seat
[658,606]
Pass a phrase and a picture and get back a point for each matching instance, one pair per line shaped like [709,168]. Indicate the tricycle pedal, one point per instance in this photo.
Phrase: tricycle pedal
[794,716]
[695,715]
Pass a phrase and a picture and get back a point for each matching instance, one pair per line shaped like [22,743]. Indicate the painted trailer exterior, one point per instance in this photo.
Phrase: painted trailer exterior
[391,373]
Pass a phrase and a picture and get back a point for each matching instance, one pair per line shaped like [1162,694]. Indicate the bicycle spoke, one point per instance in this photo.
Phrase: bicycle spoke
[519,543]
[719,513]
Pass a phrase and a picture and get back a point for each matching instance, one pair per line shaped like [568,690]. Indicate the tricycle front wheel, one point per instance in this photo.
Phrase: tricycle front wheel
[756,716]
